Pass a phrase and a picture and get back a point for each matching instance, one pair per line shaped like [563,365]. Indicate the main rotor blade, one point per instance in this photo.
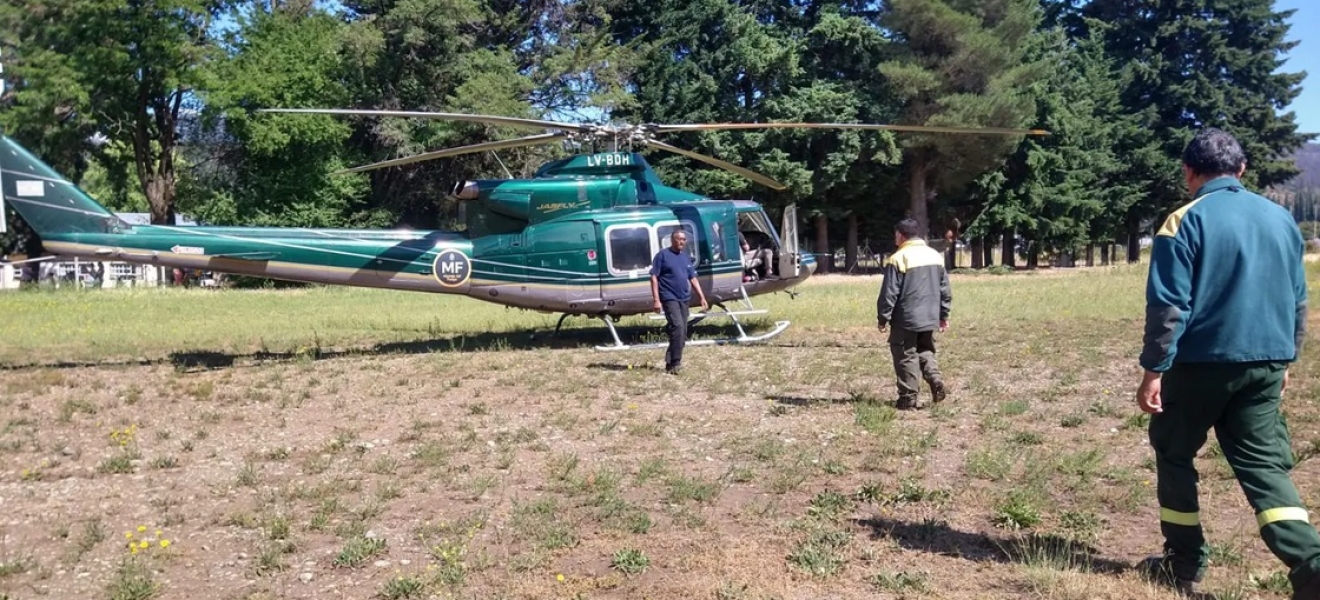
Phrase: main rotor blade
[488,119]
[752,175]
[913,128]
[482,147]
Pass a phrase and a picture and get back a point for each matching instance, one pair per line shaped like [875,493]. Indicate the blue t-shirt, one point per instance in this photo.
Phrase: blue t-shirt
[673,270]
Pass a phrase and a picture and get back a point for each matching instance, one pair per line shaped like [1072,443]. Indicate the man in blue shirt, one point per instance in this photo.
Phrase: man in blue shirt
[672,280]
[1225,317]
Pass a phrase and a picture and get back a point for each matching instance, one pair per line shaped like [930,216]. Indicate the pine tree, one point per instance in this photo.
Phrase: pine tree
[1054,190]
[1194,64]
[962,62]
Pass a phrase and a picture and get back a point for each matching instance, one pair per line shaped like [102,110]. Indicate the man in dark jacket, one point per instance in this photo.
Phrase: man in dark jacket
[1225,316]
[914,301]
[673,279]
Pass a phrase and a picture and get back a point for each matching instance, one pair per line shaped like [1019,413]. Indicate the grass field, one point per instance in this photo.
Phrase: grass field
[338,443]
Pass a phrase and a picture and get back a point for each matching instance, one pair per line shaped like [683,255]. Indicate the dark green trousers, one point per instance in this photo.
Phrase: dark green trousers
[1241,403]
[914,360]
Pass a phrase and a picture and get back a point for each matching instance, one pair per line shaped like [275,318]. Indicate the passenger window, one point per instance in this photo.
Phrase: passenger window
[630,249]
[665,231]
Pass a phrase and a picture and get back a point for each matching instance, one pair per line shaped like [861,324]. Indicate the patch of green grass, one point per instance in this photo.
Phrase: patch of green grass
[899,581]
[402,587]
[830,506]
[821,553]
[1016,511]
[874,417]
[133,580]
[683,488]
[993,464]
[630,560]
[358,550]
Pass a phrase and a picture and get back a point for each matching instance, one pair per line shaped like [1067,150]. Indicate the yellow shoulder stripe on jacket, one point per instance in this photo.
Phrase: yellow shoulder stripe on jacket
[913,255]
[1171,224]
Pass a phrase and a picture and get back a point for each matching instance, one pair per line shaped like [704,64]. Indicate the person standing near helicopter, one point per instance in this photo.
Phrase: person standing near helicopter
[673,277]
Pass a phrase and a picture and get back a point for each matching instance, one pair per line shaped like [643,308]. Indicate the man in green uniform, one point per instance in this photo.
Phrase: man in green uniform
[1225,315]
[914,300]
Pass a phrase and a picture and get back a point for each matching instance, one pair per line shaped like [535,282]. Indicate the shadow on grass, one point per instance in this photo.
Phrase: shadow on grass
[623,367]
[800,401]
[851,398]
[1031,549]
[517,339]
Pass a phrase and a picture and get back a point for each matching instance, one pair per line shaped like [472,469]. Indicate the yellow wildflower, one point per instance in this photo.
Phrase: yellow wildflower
[158,533]
[142,528]
[164,543]
[134,550]
[128,534]
[144,545]
[560,577]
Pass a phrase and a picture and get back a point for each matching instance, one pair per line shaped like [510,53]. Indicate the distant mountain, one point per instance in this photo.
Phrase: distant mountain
[1308,160]
[1301,195]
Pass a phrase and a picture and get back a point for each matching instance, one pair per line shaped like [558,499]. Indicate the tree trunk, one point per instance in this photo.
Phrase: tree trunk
[918,170]
[824,257]
[1009,258]
[851,247]
[1090,254]
[1104,253]
[1133,243]
[155,162]
[978,253]
[159,190]
[1033,256]
[988,250]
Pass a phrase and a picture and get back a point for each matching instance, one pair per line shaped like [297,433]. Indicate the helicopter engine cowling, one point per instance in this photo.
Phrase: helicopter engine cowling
[467,190]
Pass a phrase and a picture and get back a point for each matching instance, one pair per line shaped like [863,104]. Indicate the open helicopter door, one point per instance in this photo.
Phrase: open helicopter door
[789,259]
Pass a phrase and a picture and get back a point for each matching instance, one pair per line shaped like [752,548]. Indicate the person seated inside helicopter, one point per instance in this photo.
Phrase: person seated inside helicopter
[756,261]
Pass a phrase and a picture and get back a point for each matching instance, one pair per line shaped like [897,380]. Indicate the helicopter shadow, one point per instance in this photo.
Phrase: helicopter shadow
[523,339]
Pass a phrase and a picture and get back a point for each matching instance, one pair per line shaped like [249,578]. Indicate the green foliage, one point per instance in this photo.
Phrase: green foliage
[123,69]
[1064,190]
[1195,63]
[965,63]
[279,170]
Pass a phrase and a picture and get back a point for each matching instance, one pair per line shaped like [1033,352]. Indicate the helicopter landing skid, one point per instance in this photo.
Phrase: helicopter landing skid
[742,338]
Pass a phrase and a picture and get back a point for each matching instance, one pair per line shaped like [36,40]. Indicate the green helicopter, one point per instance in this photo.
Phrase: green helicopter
[576,238]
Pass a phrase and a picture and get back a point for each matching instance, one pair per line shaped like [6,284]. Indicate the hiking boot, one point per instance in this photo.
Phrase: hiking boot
[907,404]
[1160,569]
[937,392]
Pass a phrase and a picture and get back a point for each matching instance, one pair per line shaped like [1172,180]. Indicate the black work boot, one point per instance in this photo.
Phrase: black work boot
[908,403]
[937,392]
[1161,569]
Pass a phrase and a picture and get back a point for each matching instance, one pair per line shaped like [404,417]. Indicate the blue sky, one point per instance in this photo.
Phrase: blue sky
[1305,57]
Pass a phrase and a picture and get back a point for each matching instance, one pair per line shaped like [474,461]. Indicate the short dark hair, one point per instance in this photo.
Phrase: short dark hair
[909,228]
[1214,152]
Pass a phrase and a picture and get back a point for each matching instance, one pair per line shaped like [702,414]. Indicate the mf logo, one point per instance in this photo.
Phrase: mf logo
[452,268]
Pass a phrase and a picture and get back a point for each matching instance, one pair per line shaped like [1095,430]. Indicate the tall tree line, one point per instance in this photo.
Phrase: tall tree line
[151,104]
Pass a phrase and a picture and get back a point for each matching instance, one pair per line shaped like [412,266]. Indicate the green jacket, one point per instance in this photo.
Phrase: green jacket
[915,293]
[1226,282]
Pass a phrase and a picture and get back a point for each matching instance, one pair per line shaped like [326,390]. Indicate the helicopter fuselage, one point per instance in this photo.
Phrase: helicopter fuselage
[590,263]
[577,239]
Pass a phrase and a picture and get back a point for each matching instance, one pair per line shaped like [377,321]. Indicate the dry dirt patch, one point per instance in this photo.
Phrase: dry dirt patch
[779,471]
